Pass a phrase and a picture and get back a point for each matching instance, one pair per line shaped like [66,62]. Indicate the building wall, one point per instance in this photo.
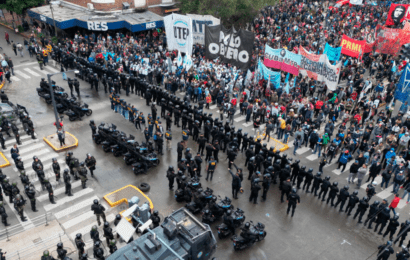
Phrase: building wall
[9,18]
[118,5]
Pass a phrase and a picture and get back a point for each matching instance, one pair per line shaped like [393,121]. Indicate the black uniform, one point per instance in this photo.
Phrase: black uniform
[343,195]
[254,193]
[361,209]
[293,200]
[391,228]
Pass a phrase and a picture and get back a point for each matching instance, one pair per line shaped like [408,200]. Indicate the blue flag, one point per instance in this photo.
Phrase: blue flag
[333,54]
[287,83]
[403,88]
[266,73]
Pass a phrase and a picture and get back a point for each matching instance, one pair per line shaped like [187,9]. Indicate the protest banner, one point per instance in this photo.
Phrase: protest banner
[198,26]
[231,46]
[352,48]
[282,59]
[179,33]
[319,68]
[397,14]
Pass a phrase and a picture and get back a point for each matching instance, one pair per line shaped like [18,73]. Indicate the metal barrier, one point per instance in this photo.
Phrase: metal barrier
[10,231]
[47,244]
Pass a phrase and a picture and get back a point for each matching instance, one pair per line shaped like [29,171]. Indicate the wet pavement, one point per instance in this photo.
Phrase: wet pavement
[317,231]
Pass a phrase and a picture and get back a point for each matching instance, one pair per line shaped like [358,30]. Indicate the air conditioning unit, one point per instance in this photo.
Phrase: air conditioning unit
[125,6]
[90,6]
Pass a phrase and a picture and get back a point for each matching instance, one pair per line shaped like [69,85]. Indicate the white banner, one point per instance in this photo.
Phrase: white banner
[198,26]
[319,68]
[179,33]
[356,2]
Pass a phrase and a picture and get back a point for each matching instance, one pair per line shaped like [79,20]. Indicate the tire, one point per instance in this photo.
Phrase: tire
[98,141]
[220,236]
[264,234]
[71,118]
[144,187]
[89,112]
[65,95]
[49,101]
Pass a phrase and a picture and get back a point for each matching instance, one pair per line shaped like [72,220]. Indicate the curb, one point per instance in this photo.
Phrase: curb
[116,203]
[285,146]
[60,149]
[4,158]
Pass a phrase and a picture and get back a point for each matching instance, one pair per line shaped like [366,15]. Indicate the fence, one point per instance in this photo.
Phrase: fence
[10,231]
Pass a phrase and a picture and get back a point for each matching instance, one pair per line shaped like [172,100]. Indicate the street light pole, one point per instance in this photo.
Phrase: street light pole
[54,21]
[52,96]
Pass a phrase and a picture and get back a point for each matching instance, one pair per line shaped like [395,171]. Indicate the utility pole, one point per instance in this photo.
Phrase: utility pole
[52,96]
[54,21]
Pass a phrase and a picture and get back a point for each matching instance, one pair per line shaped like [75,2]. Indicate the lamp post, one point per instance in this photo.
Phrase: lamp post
[52,15]
[52,95]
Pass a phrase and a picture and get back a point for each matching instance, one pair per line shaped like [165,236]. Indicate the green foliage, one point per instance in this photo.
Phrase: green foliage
[54,39]
[17,6]
[20,28]
[231,12]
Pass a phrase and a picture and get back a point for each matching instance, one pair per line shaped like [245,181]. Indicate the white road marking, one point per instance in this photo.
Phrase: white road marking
[64,200]
[78,206]
[32,72]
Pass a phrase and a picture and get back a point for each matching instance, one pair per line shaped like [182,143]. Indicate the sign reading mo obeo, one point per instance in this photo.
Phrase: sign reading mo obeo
[97,26]
[352,48]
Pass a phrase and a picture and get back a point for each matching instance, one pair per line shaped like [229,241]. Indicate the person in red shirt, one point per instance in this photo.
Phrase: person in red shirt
[394,203]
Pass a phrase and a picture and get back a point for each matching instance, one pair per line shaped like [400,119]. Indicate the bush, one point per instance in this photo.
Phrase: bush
[20,28]
[54,39]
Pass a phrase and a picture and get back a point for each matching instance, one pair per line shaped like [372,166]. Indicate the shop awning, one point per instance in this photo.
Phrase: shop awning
[66,17]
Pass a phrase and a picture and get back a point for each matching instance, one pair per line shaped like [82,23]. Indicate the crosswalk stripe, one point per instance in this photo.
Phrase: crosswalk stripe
[386,193]
[13,140]
[74,221]
[31,148]
[77,206]
[59,191]
[41,71]
[14,78]
[32,72]
[312,157]
[302,150]
[35,180]
[51,69]
[248,124]
[87,229]
[23,144]
[22,74]
[213,107]
[241,118]
[64,200]
[36,153]
[47,166]
[402,203]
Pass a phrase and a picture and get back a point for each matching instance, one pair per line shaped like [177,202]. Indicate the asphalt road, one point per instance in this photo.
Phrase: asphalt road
[317,231]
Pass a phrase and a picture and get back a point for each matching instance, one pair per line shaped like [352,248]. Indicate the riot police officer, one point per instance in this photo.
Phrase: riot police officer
[67,182]
[31,194]
[293,200]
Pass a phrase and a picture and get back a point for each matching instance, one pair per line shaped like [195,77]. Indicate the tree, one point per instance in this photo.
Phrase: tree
[18,6]
[231,12]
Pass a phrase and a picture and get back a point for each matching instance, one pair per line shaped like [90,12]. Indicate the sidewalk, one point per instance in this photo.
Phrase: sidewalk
[70,142]
[30,244]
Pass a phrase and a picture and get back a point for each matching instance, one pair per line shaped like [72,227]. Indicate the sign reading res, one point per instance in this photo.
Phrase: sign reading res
[97,26]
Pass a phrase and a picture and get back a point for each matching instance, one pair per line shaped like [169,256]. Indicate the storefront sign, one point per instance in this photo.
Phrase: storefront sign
[97,26]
